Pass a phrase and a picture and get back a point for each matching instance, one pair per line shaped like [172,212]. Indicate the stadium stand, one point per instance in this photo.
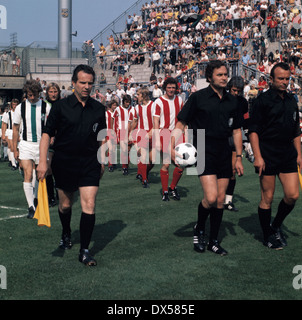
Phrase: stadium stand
[177,38]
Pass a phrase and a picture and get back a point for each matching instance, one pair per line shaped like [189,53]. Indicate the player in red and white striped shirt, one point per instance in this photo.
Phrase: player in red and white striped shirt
[167,108]
[111,139]
[143,122]
[123,115]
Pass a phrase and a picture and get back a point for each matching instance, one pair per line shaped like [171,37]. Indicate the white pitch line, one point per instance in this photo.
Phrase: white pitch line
[13,217]
[11,208]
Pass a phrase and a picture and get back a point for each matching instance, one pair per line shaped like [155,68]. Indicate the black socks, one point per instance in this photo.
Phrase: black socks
[86,228]
[215,220]
[65,221]
[203,214]
[87,223]
[266,214]
[265,221]
[283,211]
[231,187]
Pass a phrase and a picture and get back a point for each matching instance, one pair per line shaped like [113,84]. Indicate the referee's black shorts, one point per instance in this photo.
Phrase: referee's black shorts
[278,158]
[217,158]
[71,173]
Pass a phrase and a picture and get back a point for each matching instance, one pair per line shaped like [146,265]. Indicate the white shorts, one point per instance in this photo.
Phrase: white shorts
[9,134]
[29,151]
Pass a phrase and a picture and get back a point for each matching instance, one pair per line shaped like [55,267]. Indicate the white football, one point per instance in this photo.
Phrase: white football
[186,154]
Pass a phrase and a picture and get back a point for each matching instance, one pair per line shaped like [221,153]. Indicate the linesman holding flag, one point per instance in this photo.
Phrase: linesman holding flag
[75,122]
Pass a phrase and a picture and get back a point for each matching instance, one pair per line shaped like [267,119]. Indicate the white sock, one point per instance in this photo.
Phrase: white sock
[29,195]
[228,198]
[34,178]
[5,151]
[12,158]
[35,184]
[36,189]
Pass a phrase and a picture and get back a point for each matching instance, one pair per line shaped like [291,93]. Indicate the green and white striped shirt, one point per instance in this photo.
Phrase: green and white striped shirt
[32,120]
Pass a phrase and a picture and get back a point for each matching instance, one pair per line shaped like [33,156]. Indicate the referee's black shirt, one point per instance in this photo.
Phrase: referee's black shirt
[75,127]
[274,119]
[205,110]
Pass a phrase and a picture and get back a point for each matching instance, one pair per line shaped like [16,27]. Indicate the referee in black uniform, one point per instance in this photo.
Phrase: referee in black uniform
[218,112]
[274,133]
[75,122]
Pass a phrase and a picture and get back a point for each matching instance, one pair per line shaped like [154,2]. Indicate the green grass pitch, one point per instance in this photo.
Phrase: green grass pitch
[144,246]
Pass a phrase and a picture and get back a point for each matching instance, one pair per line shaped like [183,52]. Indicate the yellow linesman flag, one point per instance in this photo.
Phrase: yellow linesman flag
[42,210]
[300,176]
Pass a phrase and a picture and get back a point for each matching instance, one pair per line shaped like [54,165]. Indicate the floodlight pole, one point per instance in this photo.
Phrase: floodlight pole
[64,28]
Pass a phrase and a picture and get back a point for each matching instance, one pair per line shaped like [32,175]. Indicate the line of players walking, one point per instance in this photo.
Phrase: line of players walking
[224,114]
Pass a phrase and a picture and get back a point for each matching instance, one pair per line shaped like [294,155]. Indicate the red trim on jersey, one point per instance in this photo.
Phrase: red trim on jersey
[145,116]
[108,119]
[141,117]
[177,108]
[166,111]
[149,115]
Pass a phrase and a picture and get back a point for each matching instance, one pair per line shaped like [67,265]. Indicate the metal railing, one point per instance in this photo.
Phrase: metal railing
[118,25]
[235,68]
[107,62]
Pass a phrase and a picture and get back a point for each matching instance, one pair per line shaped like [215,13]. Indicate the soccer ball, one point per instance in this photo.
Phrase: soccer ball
[188,153]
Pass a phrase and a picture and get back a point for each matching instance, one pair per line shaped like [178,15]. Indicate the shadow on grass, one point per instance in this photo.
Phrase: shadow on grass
[251,225]
[102,235]
[183,192]
[238,198]
[154,177]
[226,228]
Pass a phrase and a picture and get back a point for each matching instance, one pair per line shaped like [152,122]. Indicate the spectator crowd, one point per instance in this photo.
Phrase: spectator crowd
[178,37]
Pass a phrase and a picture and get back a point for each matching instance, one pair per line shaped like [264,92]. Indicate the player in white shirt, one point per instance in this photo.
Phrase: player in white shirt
[167,108]
[7,132]
[31,115]
[4,143]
